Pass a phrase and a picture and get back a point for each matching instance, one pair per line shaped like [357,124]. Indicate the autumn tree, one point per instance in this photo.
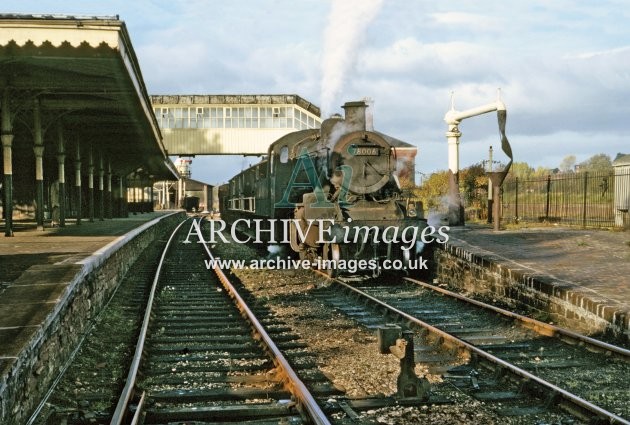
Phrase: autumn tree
[567,164]
[521,170]
[408,187]
[434,189]
[473,183]
[599,162]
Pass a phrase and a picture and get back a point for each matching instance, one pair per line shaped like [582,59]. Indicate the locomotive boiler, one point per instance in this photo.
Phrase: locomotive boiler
[333,195]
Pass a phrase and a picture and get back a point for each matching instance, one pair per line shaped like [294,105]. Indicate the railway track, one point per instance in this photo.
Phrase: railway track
[203,355]
[519,365]
[202,361]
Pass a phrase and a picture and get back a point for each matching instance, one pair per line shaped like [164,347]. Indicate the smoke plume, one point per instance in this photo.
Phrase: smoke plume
[347,23]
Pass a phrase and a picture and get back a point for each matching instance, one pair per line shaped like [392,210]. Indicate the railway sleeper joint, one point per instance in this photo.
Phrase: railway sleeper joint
[348,410]
[552,399]
[472,377]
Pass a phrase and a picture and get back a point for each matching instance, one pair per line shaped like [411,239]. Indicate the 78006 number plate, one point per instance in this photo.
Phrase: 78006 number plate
[364,150]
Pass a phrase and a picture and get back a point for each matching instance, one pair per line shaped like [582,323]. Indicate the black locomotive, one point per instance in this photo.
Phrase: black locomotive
[332,194]
[191,203]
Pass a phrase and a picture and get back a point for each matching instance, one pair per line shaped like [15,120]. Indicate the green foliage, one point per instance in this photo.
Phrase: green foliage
[473,184]
[433,189]
[523,171]
[599,162]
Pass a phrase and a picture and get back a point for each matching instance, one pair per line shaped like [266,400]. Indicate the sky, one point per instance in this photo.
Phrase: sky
[563,67]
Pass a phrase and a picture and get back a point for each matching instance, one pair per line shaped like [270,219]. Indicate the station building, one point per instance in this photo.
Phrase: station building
[82,139]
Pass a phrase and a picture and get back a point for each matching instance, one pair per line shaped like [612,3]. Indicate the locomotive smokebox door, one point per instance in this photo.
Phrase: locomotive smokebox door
[387,336]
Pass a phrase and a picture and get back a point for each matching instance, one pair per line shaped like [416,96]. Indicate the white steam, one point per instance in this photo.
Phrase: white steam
[340,129]
[275,251]
[347,23]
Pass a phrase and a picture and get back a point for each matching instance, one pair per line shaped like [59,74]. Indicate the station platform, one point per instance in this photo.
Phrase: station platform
[585,268]
[54,245]
[43,274]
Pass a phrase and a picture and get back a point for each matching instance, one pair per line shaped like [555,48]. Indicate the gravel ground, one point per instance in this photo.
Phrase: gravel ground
[348,354]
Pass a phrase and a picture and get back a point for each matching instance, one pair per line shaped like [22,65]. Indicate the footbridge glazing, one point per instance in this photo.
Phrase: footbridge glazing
[230,124]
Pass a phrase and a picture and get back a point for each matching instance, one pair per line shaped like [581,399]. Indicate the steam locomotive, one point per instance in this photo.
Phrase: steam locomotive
[333,195]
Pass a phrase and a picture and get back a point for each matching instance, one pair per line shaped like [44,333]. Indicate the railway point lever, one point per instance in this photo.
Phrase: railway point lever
[393,340]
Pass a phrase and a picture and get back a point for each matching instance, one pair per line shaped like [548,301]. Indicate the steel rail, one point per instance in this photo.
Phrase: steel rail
[569,397]
[123,401]
[295,385]
[536,325]
[136,417]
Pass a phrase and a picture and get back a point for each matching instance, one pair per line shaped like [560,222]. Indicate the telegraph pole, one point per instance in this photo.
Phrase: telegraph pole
[490,201]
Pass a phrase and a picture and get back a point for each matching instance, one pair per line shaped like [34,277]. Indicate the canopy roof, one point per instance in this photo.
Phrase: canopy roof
[86,76]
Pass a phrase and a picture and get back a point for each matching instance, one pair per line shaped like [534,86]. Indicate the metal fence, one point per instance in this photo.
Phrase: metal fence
[583,199]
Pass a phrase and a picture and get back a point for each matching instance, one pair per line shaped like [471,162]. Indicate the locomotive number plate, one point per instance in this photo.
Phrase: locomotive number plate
[363,150]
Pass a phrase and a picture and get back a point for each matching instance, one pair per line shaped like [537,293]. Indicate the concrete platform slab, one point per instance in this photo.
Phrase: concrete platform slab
[5,363]
[13,340]
[31,247]
[23,314]
[48,273]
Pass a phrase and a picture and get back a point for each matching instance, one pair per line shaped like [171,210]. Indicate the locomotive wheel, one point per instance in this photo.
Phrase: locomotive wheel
[331,252]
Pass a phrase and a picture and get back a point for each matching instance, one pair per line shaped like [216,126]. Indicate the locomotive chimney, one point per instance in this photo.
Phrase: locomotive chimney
[355,115]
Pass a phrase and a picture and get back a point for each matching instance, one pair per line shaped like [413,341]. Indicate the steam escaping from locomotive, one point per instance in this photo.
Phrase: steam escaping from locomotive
[275,250]
[333,195]
[347,23]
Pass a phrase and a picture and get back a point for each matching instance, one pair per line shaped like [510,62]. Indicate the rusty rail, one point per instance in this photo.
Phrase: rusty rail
[536,325]
[127,392]
[291,379]
[572,399]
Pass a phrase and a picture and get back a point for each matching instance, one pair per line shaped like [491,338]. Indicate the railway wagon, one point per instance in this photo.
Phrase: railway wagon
[331,194]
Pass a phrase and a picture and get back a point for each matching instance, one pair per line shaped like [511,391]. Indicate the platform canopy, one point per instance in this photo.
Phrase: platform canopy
[85,75]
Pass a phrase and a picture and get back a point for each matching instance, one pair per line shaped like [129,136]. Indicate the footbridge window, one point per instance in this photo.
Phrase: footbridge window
[235,117]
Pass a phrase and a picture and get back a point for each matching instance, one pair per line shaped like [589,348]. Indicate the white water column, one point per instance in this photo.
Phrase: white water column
[453,119]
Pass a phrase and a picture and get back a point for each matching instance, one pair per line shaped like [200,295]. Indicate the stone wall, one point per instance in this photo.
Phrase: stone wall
[476,271]
[92,281]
